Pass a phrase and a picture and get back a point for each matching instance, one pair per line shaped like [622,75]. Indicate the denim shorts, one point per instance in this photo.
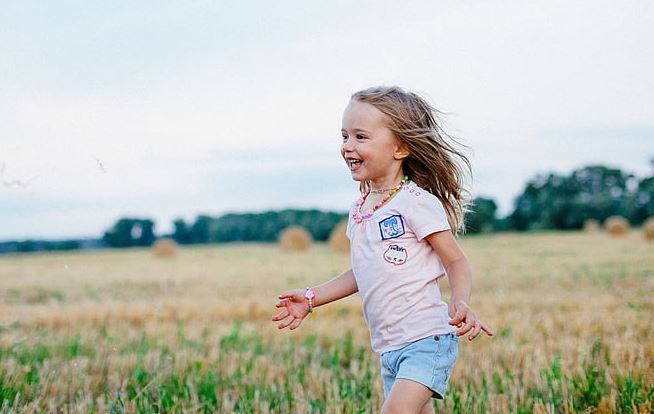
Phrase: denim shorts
[428,361]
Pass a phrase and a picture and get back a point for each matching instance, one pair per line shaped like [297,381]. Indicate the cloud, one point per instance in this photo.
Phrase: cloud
[106,104]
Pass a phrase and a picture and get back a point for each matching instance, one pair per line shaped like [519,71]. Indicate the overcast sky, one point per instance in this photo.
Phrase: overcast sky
[174,109]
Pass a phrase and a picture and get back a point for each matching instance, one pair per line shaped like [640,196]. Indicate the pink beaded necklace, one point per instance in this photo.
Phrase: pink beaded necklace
[356,213]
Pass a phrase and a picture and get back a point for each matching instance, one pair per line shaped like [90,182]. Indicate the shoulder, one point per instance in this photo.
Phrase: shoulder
[418,195]
[425,213]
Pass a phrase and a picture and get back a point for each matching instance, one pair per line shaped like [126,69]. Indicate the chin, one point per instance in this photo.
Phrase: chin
[356,177]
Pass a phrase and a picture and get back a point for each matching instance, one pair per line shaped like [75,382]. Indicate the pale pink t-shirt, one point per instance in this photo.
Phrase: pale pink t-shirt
[396,270]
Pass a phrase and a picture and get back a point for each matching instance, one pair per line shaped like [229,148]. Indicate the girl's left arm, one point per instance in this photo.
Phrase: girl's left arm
[459,275]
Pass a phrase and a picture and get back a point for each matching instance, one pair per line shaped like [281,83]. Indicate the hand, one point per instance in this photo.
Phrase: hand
[465,319]
[296,308]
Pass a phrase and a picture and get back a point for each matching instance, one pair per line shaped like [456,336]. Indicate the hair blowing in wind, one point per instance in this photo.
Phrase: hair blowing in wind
[434,162]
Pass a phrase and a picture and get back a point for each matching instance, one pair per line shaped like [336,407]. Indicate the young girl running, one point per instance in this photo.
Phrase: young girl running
[402,232]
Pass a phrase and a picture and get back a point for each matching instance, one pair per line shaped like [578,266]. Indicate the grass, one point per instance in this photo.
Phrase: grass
[121,331]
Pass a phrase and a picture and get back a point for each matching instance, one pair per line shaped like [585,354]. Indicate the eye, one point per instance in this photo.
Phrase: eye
[344,137]
[359,136]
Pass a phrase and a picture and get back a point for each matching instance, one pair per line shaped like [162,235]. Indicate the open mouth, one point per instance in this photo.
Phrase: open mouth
[354,163]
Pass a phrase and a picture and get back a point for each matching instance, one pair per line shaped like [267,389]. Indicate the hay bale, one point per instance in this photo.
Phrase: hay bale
[591,226]
[648,229]
[164,248]
[295,239]
[338,239]
[616,226]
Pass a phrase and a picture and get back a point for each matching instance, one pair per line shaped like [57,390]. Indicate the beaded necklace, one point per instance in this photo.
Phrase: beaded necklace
[356,213]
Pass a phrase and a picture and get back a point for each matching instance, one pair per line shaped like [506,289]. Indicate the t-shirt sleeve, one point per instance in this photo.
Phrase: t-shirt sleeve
[426,216]
[350,223]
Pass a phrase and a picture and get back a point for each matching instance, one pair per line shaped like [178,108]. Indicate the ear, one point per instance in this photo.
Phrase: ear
[401,150]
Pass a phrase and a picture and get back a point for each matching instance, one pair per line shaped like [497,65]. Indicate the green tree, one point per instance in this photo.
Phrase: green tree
[641,202]
[557,202]
[183,233]
[201,229]
[267,226]
[129,232]
[481,217]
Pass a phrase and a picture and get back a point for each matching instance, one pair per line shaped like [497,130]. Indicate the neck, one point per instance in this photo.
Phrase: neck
[386,182]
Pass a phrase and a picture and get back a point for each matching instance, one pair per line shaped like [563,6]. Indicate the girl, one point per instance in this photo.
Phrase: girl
[402,232]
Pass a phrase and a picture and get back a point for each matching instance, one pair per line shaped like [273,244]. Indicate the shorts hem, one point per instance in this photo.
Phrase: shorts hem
[438,394]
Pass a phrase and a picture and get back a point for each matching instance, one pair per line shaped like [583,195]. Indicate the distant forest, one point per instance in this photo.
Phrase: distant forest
[548,201]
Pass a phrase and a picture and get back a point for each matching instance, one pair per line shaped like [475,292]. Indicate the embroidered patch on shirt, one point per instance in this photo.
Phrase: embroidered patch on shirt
[391,227]
[396,254]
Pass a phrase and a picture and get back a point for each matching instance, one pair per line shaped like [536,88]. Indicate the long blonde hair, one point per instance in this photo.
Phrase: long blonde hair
[434,163]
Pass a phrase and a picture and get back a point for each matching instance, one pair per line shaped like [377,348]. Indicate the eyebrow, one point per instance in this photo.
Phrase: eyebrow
[355,130]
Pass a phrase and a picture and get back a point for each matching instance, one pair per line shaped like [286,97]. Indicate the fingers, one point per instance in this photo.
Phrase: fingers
[281,315]
[487,329]
[475,331]
[459,317]
[285,323]
[291,323]
[480,326]
[296,322]
[292,295]
[465,328]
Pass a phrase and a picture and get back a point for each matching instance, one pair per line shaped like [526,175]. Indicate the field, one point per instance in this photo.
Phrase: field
[122,331]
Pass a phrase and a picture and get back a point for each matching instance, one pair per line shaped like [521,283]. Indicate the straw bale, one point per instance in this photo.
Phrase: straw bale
[295,239]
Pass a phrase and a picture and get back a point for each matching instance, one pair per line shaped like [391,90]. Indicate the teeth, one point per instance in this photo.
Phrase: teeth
[354,163]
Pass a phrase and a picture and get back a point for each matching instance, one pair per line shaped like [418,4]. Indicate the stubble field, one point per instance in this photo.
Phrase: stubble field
[123,331]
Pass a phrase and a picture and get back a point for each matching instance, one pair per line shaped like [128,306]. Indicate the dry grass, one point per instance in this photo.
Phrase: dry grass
[575,298]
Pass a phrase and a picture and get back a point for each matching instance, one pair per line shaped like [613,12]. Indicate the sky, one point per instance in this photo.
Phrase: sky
[167,110]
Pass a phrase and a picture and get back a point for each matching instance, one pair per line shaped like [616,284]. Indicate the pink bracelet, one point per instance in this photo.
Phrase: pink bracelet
[309,295]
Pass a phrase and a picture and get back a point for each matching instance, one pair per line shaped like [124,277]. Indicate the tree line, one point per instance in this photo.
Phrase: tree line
[548,201]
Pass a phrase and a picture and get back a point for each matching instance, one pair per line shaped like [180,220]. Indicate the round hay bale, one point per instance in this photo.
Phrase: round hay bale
[338,239]
[616,226]
[591,225]
[648,229]
[295,239]
[164,248]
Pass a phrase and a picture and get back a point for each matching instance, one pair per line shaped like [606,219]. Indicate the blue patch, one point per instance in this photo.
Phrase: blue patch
[391,227]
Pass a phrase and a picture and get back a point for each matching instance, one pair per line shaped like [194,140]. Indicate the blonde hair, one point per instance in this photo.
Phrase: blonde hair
[434,163]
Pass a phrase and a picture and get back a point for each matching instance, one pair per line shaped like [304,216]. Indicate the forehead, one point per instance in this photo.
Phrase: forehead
[362,115]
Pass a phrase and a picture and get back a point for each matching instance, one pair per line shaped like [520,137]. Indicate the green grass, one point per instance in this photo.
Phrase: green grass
[316,377]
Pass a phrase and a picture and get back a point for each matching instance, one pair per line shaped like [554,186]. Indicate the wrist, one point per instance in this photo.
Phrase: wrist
[309,295]
[461,301]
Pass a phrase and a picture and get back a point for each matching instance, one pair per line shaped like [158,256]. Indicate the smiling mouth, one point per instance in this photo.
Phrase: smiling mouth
[354,163]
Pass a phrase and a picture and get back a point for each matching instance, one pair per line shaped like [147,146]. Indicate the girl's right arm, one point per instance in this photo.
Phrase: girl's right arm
[296,306]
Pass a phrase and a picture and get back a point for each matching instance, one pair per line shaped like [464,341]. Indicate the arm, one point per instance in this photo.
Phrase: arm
[335,289]
[296,306]
[459,275]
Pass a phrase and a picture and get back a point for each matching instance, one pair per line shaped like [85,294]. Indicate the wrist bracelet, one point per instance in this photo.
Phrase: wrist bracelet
[309,295]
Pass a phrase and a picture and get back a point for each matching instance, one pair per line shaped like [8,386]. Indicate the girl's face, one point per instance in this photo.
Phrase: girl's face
[370,149]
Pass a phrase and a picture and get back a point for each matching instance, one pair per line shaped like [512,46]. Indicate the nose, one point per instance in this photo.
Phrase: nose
[347,146]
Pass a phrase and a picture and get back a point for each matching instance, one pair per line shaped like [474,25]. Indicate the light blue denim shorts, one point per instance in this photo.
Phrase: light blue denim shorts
[428,361]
